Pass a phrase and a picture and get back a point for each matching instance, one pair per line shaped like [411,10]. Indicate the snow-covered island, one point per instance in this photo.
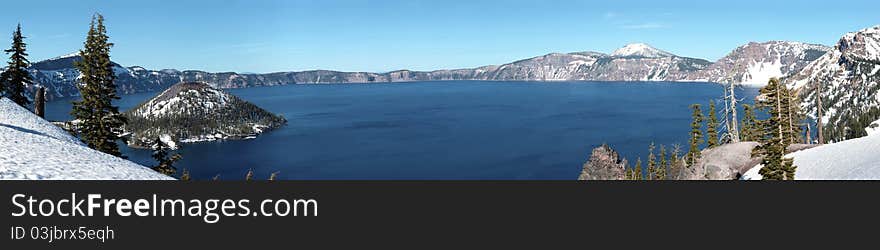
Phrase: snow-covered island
[195,112]
[32,148]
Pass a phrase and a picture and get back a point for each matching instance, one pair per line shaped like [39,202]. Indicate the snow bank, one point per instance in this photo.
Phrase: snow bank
[34,149]
[856,159]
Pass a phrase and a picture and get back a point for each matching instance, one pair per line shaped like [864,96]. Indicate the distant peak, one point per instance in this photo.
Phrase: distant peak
[74,54]
[640,50]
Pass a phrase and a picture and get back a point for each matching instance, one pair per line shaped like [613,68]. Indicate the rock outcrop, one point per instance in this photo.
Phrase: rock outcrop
[849,78]
[604,164]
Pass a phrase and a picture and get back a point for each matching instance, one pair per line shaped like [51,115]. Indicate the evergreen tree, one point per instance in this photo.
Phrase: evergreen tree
[663,166]
[774,133]
[185,175]
[165,161]
[749,124]
[693,153]
[652,163]
[637,170]
[795,116]
[712,127]
[100,121]
[16,77]
[675,161]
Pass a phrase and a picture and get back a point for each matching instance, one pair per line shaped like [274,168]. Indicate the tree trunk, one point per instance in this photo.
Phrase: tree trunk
[40,102]
[819,128]
[734,127]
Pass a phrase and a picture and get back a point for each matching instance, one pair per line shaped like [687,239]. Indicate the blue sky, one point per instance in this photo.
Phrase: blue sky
[362,35]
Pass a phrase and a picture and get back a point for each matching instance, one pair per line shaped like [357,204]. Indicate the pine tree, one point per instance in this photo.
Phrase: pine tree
[663,166]
[675,161]
[185,175]
[16,77]
[773,137]
[749,124]
[693,153]
[637,170]
[712,127]
[795,116]
[100,121]
[164,161]
[652,163]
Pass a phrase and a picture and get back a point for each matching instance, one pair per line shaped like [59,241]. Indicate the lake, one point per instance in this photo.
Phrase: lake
[442,130]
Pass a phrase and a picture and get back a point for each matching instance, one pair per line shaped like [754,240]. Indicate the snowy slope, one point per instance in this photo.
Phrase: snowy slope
[753,64]
[849,77]
[640,50]
[33,149]
[856,159]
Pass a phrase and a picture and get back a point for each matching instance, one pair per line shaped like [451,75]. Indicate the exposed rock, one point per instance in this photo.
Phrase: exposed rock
[727,162]
[604,164]
[850,85]
[755,63]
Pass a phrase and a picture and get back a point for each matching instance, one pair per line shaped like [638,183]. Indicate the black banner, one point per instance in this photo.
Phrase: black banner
[418,214]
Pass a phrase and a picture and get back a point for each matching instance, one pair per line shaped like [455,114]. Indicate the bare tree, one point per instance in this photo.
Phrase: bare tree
[730,119]
[820,135]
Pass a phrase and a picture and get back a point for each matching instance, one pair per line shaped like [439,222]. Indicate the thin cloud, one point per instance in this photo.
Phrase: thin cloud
[610,15]
[642,26]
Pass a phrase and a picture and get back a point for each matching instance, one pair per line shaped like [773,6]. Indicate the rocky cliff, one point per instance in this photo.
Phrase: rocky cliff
[848,79]
[749,64]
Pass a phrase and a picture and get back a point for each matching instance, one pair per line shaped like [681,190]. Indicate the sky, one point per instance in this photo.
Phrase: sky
[261,36]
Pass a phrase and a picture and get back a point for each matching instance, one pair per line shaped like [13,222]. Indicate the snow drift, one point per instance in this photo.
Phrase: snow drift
[856,159]
[31,148]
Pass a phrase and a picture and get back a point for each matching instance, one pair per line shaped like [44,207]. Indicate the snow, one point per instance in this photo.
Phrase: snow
[855,159]
[873,128]
[759,73]
[640,49]
[34,149]
[165,138]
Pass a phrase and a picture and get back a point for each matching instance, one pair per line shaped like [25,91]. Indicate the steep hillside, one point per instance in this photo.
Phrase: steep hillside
[754,64]
[849,80]
[34,149]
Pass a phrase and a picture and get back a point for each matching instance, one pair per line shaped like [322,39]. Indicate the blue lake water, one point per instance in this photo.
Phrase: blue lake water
[443,130]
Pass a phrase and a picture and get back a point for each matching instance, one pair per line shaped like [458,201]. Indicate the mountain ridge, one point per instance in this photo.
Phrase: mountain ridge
[633,62]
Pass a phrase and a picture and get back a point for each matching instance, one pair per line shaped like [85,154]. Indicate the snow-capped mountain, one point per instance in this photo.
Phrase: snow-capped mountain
[754,64]
[750,63]
[195,111]
[640,50]
[34,149]
[647,64]
[849,77]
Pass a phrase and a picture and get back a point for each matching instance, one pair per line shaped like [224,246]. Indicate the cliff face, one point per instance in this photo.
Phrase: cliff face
[604,164]
[632,63]
[754,64]
[848,79]
[751,64]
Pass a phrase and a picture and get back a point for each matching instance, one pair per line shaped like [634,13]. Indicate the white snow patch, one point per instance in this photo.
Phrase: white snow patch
[855,159]
[165,138]
[873,128]
[34,149]
[640,49]
[759,73]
